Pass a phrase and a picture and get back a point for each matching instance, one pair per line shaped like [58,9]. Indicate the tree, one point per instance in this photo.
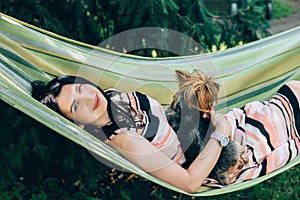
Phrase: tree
[93,21]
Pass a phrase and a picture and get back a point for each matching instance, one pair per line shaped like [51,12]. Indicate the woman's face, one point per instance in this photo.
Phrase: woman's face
[83,103]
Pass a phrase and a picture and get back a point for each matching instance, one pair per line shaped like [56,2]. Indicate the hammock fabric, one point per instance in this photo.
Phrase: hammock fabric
[250,72]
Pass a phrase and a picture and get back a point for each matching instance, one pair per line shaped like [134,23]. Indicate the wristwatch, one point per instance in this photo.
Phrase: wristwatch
[223,139]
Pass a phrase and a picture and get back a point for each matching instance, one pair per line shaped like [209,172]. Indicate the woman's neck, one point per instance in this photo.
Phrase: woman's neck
[104,120]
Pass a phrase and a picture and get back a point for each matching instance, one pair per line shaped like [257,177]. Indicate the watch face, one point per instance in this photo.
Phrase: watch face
[224,141]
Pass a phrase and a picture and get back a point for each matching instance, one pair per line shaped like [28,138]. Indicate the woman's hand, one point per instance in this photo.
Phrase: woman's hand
[221,123]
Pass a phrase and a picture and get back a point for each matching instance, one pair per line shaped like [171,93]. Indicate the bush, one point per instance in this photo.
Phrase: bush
[282,8]
[93,21]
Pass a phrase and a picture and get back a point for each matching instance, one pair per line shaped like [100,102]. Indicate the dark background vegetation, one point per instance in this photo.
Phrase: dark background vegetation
[37,163]
[93,21]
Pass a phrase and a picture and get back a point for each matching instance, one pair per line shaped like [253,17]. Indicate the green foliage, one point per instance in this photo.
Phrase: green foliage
[282,8]
[240,27]
[94,21]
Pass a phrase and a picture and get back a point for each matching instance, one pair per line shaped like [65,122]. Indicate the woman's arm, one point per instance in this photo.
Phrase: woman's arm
[142,153]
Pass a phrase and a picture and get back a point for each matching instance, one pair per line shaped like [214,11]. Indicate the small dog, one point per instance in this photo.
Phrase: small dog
[188,115]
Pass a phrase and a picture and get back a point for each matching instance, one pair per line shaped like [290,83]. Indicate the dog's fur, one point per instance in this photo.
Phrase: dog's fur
[192,129]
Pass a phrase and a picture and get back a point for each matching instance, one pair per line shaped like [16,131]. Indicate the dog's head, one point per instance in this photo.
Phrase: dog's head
[197,89]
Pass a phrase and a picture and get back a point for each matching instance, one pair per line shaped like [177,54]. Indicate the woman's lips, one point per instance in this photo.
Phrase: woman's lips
[97,102]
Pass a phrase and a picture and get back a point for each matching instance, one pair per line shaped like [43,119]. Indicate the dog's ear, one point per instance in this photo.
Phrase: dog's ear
[181,76]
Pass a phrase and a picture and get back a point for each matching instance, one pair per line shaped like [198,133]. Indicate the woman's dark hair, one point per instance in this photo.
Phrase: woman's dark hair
[46,93]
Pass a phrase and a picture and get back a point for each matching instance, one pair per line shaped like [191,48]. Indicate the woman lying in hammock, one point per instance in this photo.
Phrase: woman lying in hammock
[266,133]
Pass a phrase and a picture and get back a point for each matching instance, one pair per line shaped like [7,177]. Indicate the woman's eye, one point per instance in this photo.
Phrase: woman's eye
[76,105]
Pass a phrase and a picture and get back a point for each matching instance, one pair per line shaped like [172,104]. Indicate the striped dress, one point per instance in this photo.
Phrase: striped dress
[137,112]
[269,130]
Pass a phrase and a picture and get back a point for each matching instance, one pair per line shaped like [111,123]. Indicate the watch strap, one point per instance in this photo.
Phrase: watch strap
[216,136]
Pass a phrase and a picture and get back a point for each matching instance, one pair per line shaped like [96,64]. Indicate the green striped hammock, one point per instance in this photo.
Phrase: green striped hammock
[249,72]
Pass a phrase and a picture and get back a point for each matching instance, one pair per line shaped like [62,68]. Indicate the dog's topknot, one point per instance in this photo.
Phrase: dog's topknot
[199,90]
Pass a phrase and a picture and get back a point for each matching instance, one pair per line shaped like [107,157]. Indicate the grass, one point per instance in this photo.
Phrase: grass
[283,8]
